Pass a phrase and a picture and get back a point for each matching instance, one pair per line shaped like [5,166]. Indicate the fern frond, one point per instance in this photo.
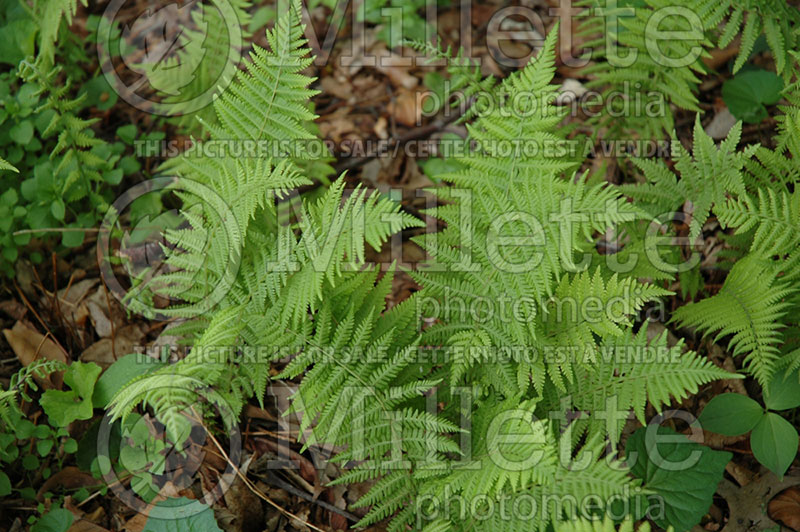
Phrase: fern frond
[750,307]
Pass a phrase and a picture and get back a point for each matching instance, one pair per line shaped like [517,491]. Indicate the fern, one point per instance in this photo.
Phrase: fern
[272,274]
[604,525]
[666,193]
[5,165]
[775,19]
[79,164]
[774,216]
[649,66]
[645,68]
[49,14]
[750,306]
[214,53]
[21,382]
[300,287]
[750,192]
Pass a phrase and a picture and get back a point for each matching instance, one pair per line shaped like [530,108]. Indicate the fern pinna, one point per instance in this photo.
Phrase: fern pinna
[426,427]
[631,53]
[754,192]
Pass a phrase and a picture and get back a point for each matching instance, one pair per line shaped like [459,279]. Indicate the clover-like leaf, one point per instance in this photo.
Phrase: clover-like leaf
[64,407]
[774,442]
[683,473]
[731,414]
[783,391]
[185,515]
[747,94]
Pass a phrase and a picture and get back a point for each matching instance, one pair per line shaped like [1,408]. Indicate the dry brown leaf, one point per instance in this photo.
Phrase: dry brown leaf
[103,318]
[125,340]
[70,477]
[29,345]
[407,107]
[785,508]
[70,298]
[395,67]
[84,525]
[244,505]
[720,57]
[380,128]
[338,87]
[13,309]
[101,323]
[337,124]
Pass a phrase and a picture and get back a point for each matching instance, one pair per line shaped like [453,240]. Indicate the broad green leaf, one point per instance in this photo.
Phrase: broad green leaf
[58,209]
[58,520]
[774,443]
[181,515]
[9,197]
[82,377]
[783,391]
[64,407]
[5,484]
[731,414]
[127,133]
[43,447]
[119,374]
[72,239]
[748,92]
[30,462]
[22,133]
[683,473]
[70,446]
[24,429]
[133,458]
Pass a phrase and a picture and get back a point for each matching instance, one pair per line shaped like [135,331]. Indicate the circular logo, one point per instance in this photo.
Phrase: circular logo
[162,263]
[172,59]
[139,455]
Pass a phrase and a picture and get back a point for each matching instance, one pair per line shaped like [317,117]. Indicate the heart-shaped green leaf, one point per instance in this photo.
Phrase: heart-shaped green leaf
[747,94]
[774,442]
[783,391]
[682,473]
[731,414]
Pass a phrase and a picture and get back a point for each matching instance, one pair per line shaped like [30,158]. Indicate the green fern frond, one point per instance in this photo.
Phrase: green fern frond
[49,14]
[750,306]
[5,165]
[774,216]
[666,193]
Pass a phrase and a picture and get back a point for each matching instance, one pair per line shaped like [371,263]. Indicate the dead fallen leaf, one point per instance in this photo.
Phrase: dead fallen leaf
[139,520]
[720,57]
[101,323]
[84,525]
[13,309]
[29,345]
[785,508]
[721,124]
[243,504]
[407,107]
[125,340]
[70,478]
[746,503]
[77,291]
[337,124]
[339,87]
[380,128]
[395,67]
